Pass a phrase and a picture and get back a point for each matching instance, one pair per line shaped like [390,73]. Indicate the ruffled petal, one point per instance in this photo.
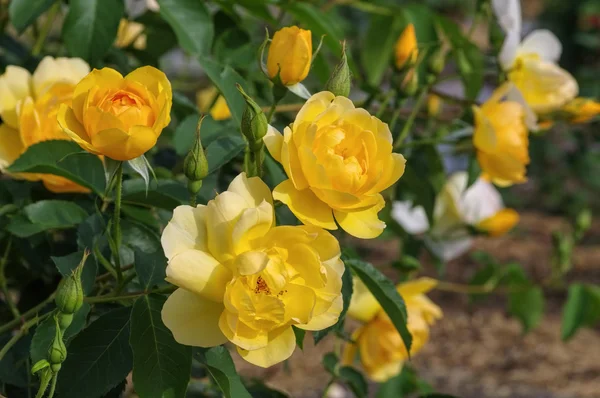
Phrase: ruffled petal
[305,205]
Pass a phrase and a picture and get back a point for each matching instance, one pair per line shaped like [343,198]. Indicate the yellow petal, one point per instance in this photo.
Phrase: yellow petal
[241,334]
[484,136]
[193,320]
[106,78]
[273,141]
[314,107]
[253,190]
[291,162]
[11,146]
[199,273]
[363,224]
[299,302]
[406,47]
[62,185]
[417,286]
[500,223]
[281,346]
[15,86]
[186,230]
[71,126]
[305,205]
[120,145]
[326,245]
[350,349]
[325,319]
[253,224]
[58,70]
[251,262]
[154,80]
[290,55]
[393,170]
[386,371]
[363,305]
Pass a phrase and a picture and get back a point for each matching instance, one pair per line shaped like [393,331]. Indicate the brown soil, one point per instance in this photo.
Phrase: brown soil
[479,351]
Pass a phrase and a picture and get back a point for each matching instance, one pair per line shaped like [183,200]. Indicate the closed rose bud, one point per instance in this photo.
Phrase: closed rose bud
[195,165]
[437,61]
[290,55]
[406,48]
[69,297]
[58,351]
[340,80]
[254,121]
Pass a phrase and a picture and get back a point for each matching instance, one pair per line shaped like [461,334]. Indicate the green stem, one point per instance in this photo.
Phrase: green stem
[411,117]
[117,223]
[22,331]
[271,111]
[426,141]
[53,386]
[396,114]
[111,297]
[107,265]
[3,284]
[41,39]
[9,325]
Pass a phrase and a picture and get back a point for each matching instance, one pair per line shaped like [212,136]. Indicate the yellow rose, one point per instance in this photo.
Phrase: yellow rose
[582,110]
[118,117]
[501,139]
[290,55]
[406,48]
[129,33]
[29,106]
[382,351]
[500,223]
[219,109]
[338,159]
[244,280]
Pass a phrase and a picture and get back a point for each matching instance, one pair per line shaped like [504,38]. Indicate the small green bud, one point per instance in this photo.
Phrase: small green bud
[410,85]
[195,165]
[437,61]
[583,222]
[408,263]
[69,297]
[340,80]
[40,365]
[64,320]
[463,62]
[254,122]
[57,352]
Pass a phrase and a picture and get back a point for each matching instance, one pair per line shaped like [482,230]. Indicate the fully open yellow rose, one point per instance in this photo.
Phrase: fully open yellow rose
[382,351]
[29,105]
[119,117]
[501,139]
[338,159]
[243,280]
[290,55]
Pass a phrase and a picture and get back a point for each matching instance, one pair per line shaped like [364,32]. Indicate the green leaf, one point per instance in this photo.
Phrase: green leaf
[161,366]
[355,380]
[67,264]
[299,333]
[346,296]
[469,58]
[527,305]
[474,171]
[416,186]
[225,79]
[386,294]
[378,46]
[46,331]
[485,276]
[330,361]
[191,22]
[23,13]
[582,308]
[99,357]
[45,215]
[259,390]
[399,386]
[222,151]
[141,166]
[150,268]
[185,133]
[65,159]
[219,364]
[91,27]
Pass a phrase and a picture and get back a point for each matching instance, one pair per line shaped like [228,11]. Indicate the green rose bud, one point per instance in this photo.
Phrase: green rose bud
[254,121]
[64,320]
[410,85]
[583,223]
[58,351]
[340,80]
[69,297]
[437,61]
[195,165]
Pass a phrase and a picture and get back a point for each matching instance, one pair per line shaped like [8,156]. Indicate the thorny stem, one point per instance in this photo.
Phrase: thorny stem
[111,297]
[22,331]
[3,285]
[8,326]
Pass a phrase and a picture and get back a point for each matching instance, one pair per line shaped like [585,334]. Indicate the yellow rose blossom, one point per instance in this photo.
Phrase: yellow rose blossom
[382,351]
[582,110]
[29,106]
[501,139]
[219,109]
[532,63]
[406,50]
[244,280]
[131,33]
[500,223]
[338,159]
[118,117]
[290,55]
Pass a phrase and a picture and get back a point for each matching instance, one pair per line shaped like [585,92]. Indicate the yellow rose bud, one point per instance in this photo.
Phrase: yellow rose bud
[219,110]
[582,110]
[338,159]
[406,48]
[434,104]
[244,280]
[118,117]
[382,351]
[500,223]
[501,139]
[131,33]
[290,55]
[29,105]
